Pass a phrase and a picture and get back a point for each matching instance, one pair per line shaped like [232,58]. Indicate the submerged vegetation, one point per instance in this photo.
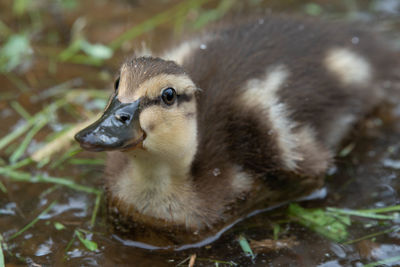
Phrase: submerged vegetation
[51,64]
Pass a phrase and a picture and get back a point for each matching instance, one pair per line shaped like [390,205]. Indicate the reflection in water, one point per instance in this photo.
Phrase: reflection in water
[384,251]
[45,248]
[77,206]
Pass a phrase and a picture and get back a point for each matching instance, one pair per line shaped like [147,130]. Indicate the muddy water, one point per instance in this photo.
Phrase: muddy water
[366,178]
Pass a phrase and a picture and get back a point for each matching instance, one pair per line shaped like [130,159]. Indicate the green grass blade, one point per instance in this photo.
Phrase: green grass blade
[79,161]
[2,264]
[214,14]
[5,31]
[59,226]
[84,59]
[18,153]
[89,244]
[27,177]
[62,142]
[246,246]
[383,262]
[20,164]
[15,134]
[95,210]
[390,230]
[23,128]
[3,188]
[17,81]
[217,262]
[20,109]
[49,191]
[33,222]
[155,21]
[382,210]
[183,261]
[71,50]
[69,245]
[331,225]
[71,152]
[364,214]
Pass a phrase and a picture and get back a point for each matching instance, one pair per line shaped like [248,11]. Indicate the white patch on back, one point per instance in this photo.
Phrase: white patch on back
[143,51]
[339,128]
[262,93]
[318,157]
[350,67]
[241,181]
[293,141]
[183,50]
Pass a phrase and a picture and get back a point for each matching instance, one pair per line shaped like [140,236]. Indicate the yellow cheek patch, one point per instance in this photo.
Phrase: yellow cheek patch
[169,130]
[159,119]
[151,118]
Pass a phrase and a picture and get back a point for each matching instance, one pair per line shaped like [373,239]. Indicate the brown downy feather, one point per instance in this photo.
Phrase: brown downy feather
[241,163]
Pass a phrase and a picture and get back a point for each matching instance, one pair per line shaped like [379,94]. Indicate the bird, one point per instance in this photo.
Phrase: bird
[244,115]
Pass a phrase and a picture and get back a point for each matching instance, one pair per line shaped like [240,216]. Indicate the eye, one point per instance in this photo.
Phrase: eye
[116,84]
[168,96]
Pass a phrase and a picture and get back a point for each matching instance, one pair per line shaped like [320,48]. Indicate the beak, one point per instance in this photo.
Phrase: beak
[117,129]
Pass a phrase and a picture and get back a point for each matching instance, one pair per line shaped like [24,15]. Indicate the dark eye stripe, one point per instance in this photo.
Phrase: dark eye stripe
[184,98]
[146,102]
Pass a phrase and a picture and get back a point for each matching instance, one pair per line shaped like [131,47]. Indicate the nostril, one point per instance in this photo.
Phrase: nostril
[123,117]
[78,137]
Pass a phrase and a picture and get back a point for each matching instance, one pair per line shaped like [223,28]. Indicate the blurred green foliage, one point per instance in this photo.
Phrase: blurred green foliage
[331,225]
[16,51]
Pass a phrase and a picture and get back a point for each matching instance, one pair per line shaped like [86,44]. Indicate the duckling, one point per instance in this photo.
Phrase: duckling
[242,117]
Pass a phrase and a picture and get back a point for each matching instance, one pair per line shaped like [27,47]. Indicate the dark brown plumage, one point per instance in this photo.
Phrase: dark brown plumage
[273,97]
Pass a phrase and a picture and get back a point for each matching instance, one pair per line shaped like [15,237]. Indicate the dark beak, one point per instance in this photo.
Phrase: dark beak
[118,128]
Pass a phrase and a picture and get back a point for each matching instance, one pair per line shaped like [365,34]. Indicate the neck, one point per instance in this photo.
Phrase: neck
[157,187]
[155,171]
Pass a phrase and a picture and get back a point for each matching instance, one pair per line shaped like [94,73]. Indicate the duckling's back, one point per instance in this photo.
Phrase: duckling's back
[281,92]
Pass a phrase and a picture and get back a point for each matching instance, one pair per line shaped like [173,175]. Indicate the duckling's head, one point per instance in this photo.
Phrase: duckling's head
[153,109]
